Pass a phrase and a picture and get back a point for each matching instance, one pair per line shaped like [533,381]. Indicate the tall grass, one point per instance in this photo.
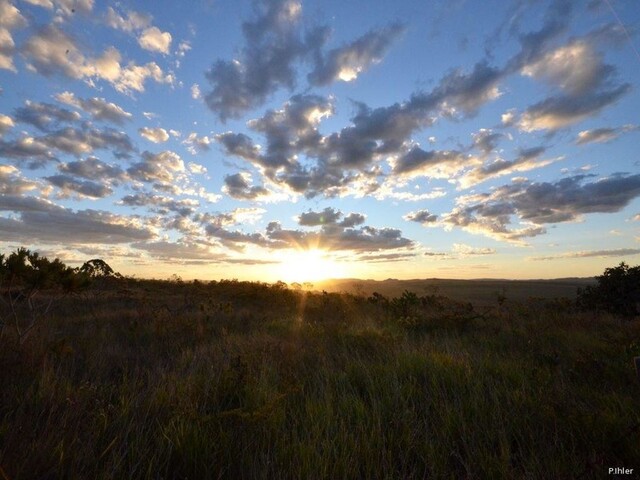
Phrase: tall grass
[238,380]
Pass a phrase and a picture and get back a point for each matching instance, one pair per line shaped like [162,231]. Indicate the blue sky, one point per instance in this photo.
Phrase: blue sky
[295,140]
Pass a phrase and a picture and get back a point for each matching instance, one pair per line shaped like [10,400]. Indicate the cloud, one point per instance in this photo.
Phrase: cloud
[347,62]
[85,140]
[6,123]
[162,204]
[239,186]
[69,186]
[129,22]
[421,216]
[10,19]
[155,40]
[433,163]
[164,168]
[52,52]
[485,140]
[334,237]
[467,250]
[155,135]
[44,115]
[12,182]
[194,252]
[536,204]
[196,144]
[98,108]
[326,217]
[618,252]
[39,220]
[575,67]
[27,149]
[195,91]
[603,135]
[527,159]
[273,43]
[93,169]
[563,111]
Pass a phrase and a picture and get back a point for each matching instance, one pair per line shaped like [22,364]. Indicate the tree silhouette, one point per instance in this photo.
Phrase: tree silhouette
[30,285]
[617,291]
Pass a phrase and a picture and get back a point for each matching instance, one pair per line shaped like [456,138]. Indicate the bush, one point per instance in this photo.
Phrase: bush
[617,292]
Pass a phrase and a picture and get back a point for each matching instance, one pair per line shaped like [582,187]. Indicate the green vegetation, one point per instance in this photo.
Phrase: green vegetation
[228,379]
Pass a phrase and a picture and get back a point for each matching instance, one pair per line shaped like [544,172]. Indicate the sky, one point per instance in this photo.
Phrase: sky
[299,140]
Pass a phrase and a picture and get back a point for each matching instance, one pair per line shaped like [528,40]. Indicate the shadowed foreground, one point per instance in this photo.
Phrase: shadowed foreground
[245,380]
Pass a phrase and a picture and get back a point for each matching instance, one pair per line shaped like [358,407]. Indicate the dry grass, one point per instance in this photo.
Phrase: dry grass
[241,380]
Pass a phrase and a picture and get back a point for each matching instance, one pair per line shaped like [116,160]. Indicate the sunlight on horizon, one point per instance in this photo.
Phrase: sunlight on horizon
[309,266]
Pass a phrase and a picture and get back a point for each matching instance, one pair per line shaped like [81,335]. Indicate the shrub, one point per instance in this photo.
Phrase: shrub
[617,292]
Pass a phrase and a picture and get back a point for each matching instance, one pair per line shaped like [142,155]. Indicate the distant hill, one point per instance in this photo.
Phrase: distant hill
[479,291]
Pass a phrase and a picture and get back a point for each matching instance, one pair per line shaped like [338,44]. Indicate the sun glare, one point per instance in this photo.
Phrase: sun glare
[308,266]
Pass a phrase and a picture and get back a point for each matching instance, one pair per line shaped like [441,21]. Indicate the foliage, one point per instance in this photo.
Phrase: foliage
[617,292]
[31,284]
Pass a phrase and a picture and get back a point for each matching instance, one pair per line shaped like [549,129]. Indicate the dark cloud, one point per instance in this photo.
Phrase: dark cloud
[486,141]
[421,216]
[98,108]
[433,163]
[69,185]
[563,111]
[93,169]
[32,151]
[347,62]
[12,182]
[39,220]
[527,159]
[326,217]
[193,251]
[44,115]
[161,204]
[603,135]
[164,168]
[239,186]
[536,204]
[83,141]
[273,44]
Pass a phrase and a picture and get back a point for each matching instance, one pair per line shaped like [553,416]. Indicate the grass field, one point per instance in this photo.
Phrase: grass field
[236,380]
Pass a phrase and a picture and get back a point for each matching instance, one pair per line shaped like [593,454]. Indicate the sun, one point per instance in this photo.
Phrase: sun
[309,266]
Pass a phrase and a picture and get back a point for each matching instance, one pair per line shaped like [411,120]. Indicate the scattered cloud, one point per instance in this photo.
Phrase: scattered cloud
[43,116]
[155,135]
[618,252]
[51,51]
[239,186]
[43,221]
[603,135]
[347,62]
[155,40]
[421,216]
[196,144]
[10,19]
[98,108]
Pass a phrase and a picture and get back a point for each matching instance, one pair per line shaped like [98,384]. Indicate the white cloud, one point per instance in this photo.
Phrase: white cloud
[98,108]
[154,40]
[131,21]
[155,135]
[51,51]
[10,19]
[6,123]
[195,91]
